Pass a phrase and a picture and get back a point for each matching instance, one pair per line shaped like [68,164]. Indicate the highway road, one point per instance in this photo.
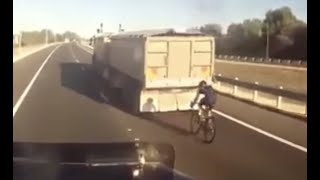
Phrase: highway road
[63,104]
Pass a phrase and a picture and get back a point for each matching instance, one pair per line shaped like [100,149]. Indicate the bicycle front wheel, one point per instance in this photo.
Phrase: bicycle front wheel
[195,123]
[209,130]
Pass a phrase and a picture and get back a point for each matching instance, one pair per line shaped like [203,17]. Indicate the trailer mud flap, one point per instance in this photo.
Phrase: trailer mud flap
[105,74]
[149,101]
[166,100]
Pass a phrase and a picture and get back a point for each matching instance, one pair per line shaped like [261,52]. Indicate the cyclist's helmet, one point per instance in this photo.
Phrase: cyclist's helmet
[202,84]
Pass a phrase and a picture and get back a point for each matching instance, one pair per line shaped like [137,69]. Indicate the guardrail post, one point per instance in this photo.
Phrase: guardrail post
[235,87]
[255,93]
[279,101]
[219,83]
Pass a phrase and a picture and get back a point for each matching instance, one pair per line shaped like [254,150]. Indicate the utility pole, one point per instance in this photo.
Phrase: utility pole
[267,46]
[46,36]
[120,28]
[20,40]
[101,27]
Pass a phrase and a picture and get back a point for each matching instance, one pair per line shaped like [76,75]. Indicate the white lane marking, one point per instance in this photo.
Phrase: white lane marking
[136,139]
[261,131]
[183,175]
[257,129]
[25,92]
[106,99]
[80,46]
[179,173]
[263,65]
[88,46]
[73,55]
[129,129]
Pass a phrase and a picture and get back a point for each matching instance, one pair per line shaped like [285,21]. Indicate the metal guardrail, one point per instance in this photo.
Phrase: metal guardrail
[279,91]
[255,89]
[287,62]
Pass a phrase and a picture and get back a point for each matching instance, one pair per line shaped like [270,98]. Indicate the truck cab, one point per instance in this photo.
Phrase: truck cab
[100,52]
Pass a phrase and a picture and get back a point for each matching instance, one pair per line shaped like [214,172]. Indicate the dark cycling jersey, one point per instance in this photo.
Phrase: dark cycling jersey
[209,94]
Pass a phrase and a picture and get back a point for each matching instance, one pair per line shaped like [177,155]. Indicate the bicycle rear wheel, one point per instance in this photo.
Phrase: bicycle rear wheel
[209,130]
[195,124]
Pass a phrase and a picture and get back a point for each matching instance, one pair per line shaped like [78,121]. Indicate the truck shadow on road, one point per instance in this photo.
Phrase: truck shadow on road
[77,77]
[80,78]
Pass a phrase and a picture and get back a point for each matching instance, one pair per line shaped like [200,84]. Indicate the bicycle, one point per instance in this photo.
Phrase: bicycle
[205,123]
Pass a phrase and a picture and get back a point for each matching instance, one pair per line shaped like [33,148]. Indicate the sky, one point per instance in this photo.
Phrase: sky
[85,16]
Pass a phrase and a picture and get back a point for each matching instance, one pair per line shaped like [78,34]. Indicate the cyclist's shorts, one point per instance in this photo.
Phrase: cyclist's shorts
[206,102]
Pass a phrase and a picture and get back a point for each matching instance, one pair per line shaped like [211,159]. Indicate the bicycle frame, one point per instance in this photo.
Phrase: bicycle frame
[207,112]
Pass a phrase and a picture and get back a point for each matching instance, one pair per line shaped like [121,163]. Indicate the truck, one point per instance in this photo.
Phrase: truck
[155,70]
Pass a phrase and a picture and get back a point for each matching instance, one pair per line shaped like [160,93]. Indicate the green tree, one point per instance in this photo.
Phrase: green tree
[212,29]
[252,28]
[59,37]
[235,30]
[71,35]
[33,37]
[278,19]
[193,30]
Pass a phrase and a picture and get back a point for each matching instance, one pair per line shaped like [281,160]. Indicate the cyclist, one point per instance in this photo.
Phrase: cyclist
[209,98]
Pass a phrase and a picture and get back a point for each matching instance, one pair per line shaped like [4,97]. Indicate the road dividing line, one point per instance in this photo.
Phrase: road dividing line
[261,131]
[25,92]
[74,56]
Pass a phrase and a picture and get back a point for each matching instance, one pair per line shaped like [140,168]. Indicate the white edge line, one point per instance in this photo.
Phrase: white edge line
[179,173]
[32,52]
[255,128]
[261,131]
[25,92]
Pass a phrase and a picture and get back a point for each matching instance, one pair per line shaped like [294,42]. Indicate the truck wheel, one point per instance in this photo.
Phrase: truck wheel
[131,98]
[135,109]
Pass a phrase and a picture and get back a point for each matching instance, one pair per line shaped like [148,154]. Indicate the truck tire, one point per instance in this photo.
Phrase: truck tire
[131,97]
[94,64]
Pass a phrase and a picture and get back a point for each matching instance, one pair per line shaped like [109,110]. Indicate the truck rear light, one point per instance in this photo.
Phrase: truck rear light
[205,71]
[151,73]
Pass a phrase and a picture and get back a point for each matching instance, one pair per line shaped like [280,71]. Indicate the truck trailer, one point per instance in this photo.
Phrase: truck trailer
[155,70]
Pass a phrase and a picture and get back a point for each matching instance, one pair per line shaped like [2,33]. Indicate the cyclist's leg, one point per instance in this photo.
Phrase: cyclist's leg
[211,107]
[201,104]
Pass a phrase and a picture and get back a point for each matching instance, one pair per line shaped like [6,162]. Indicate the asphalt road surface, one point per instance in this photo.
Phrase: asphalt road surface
[64,105]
